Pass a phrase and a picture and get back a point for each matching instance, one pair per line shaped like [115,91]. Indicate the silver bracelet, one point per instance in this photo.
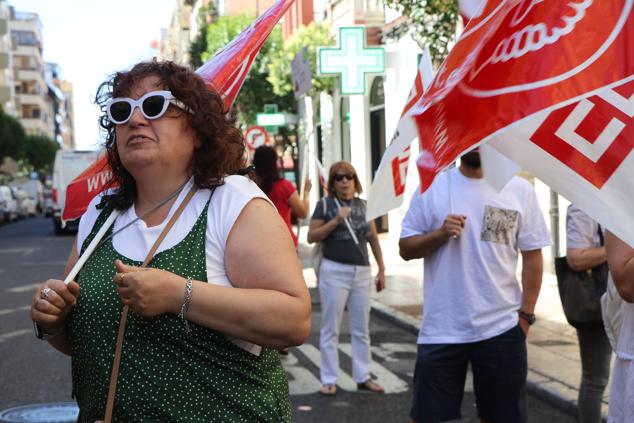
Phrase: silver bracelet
[185,306]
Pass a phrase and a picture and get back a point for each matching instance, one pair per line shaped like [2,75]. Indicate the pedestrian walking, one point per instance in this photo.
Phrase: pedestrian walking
[345,277]
[207,316]
[280,191]
[621,262]
[585,251]
[474,311]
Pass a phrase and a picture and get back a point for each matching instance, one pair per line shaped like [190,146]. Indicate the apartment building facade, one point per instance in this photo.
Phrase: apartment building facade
[33,104]
[7,88]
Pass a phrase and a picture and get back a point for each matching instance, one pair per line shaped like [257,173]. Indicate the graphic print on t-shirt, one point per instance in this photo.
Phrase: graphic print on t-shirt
[498,225]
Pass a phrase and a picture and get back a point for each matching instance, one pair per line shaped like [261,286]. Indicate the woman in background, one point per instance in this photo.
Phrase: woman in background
[280,191]
[345,276]
[585,250]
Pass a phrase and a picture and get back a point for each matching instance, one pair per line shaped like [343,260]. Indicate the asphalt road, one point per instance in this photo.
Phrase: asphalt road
[31,372]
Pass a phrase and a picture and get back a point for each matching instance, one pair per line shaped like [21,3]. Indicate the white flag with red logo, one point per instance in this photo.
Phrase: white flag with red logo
[550,84]
[225,72]
[322,174]
[388,188]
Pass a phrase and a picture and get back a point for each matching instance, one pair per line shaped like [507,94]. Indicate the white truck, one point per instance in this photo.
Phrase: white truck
[68,165]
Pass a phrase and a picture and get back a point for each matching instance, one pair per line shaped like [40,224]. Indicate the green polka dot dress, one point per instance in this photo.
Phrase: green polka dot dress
[166,373]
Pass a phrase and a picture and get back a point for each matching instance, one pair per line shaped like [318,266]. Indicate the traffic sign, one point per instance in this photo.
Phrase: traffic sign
[271,119]
[352,60]
[255,137]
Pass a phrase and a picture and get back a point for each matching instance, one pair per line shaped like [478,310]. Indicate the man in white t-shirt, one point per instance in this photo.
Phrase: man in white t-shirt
[474,311]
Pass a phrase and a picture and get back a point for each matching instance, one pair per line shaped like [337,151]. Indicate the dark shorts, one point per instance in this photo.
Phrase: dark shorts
[499,368]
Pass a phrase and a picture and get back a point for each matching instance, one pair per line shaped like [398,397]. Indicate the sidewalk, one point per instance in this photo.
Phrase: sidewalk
[554,367]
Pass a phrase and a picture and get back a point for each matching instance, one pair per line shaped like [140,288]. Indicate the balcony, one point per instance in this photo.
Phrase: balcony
[32,100]
[28,51]
[30,75]
[37,126]
[5,94]
[4,60]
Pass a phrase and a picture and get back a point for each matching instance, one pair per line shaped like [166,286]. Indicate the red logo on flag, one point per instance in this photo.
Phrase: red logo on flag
[516,59]
[532,37]
[399,172]
[593,136]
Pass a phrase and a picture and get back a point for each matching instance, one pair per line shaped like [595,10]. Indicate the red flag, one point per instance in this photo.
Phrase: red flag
[516,59]
[225,72]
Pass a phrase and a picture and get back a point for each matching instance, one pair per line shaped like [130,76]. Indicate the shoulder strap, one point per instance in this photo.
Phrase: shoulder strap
[124,315]
[324,203]
[601,241]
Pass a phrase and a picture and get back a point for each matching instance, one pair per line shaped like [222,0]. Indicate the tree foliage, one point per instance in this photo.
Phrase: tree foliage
[434,23]
[207,14]
[12,137]
[309,38]
[40,153]
[34,152]
[257,90]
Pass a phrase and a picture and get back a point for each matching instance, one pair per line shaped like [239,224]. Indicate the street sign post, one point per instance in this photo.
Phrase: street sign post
[300,71]
[352,60]
[255,137]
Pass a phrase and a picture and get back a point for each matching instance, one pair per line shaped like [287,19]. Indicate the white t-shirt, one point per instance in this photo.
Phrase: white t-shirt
[470,290]
[582,231]
[226,205]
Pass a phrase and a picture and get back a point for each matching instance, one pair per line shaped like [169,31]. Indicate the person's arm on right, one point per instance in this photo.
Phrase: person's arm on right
[581,230]
[300,207]
[621,263]
[580,259]
[420,246]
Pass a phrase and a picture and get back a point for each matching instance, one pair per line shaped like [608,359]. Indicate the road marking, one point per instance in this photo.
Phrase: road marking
[344,381]
[44,263]
[26,251]
[392,383]
[302,381]
[7,336]
[24,288]
[14,310]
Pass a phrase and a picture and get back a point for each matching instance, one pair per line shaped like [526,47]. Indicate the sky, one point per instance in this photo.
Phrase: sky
[92,39]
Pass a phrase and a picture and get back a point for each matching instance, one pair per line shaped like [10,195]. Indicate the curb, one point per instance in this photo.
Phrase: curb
[549,390]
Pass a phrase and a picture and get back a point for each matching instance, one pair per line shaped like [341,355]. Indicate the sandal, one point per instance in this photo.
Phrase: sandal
[370,386]
[328,390]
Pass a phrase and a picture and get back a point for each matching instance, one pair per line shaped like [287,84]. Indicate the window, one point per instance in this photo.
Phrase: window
[24,38]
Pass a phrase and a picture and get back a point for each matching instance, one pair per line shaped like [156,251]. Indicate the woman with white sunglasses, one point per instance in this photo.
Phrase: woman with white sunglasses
[212,308]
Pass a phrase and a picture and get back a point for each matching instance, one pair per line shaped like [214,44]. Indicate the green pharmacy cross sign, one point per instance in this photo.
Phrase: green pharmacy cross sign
[352,60]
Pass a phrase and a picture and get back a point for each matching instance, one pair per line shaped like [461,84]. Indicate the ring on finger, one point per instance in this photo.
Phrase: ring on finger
[44,293]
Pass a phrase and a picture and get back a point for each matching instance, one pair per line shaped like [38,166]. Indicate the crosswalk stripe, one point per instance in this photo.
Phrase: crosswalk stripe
[344,381]
[24,288]
[13,310]
[7,336]
[392,383]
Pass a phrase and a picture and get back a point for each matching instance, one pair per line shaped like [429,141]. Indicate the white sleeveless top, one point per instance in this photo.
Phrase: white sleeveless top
[226,205]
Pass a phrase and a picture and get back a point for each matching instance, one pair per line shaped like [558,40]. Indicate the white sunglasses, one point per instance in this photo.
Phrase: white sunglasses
[153,105]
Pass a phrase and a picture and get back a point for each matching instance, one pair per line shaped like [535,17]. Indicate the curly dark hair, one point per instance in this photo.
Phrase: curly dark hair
[221,151]
[265,161]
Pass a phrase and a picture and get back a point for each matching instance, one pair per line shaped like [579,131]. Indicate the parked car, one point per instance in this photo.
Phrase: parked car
[27,205]
[68,165]
[48,203]
[34,190]
[20,205]
[8,204]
